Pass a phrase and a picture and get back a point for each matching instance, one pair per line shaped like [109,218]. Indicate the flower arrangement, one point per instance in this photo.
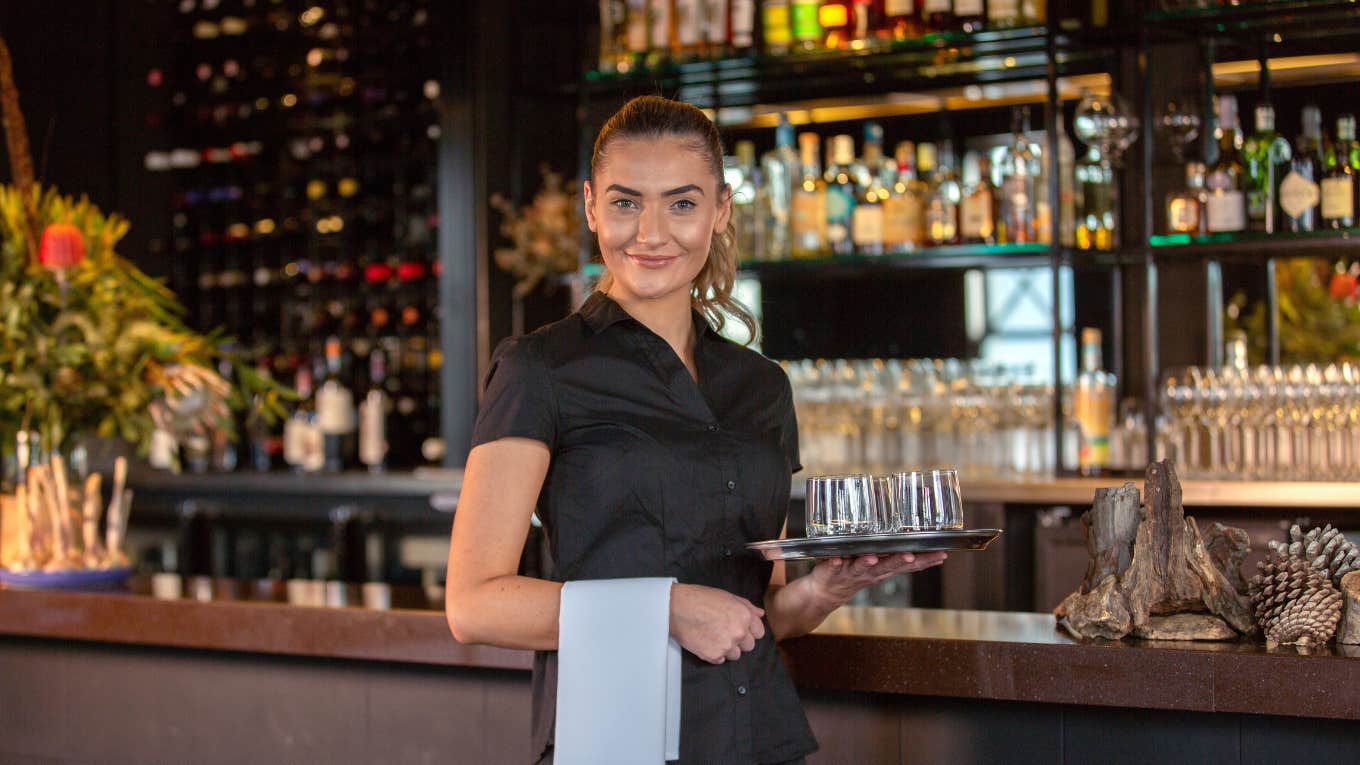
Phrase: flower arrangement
[89,344]
[545,234]
[1319,312]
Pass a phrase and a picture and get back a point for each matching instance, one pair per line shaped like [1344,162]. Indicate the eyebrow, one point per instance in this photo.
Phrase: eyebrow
[673,192]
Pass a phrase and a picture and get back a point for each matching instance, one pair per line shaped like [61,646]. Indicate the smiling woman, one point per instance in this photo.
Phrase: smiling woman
[649,446]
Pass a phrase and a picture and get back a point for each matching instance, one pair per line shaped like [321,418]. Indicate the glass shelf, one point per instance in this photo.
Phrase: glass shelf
[1258,246]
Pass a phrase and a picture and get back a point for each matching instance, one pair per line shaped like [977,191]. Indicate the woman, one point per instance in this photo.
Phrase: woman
[650,446]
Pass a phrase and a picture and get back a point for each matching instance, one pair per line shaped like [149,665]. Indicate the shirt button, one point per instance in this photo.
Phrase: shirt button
[731,485]
[741,690]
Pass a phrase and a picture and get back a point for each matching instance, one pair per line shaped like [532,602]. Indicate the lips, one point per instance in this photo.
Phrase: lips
[652,261]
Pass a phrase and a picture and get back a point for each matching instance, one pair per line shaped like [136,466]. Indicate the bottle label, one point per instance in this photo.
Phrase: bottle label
[1094,412]
[1183,216]
[775,19]
[867,228]
[840,204]
[689,22]
[975,216]
[902,224]
[806,28]
[807,220]
[1338,198]
[373,429]
[938,6]
[900,7]
[1298,194]
[965,8]
[1227,211]
[334,409]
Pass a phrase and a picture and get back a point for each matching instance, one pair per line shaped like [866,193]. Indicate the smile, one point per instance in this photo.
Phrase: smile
[652,261]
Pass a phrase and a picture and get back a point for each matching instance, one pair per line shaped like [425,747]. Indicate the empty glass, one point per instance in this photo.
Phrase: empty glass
[840,504]
[927,500]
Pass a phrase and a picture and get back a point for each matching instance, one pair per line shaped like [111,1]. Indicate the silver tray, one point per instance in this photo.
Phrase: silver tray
[875,544]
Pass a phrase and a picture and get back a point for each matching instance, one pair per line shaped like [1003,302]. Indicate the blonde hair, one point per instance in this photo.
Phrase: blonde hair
[652,117]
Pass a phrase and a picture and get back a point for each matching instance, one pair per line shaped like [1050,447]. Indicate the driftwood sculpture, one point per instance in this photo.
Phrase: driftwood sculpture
[1153,574]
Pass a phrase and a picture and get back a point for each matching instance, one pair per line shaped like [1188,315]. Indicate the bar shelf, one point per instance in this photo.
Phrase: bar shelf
[1254,246]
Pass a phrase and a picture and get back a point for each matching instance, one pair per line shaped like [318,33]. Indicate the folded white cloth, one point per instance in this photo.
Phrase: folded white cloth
[618,674]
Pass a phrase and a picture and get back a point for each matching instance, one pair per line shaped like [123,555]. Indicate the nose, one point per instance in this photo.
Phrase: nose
[651,226]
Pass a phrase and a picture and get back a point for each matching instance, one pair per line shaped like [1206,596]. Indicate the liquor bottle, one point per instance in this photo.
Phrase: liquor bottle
[1339,187]
[1003,13]
[837,20]
[1226,209]
[1016,221]
[302,449]
[661,35]
[266,445]
[717,28]
[335,416]
[807,29]
[779,170]
[1266,151]
[1299,190]
[776,25]
[867,220]
[840,196]
[637,35]
[741,27]
[741,176]
[689,28]
[1067,193]
[938,15]
[1093,407]
[903,19]
[970,15]
[1096,216]
[373,415]
[977,211]
[942,200]
[1185,209]
[613,35]
[808,222]
[904,209]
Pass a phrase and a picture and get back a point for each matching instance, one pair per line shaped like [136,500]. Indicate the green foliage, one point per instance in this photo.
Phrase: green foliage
[1316,326]
[88,350]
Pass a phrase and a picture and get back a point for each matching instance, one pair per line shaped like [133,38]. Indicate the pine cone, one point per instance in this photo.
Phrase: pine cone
[1325,548]
[1294,601]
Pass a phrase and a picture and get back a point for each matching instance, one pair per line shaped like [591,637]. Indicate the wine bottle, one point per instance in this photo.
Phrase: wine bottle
[1300,194]
[373,415]
[1339,187]
[335,416]
[1093,407]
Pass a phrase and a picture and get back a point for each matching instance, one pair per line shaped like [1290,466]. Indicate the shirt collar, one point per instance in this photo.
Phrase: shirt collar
[601,312]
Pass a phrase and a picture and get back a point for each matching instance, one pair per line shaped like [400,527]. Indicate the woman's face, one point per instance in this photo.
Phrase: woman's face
[655,207]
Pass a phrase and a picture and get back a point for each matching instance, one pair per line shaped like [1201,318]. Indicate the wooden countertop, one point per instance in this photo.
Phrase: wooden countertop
[962,654]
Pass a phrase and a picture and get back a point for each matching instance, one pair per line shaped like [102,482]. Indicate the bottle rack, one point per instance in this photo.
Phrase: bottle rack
[303,142]
[739,92]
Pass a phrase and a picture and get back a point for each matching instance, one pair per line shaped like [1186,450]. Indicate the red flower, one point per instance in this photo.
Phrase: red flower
[62,247]
[1342,286]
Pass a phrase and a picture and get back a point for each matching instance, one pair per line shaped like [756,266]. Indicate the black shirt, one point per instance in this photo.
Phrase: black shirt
[654,475]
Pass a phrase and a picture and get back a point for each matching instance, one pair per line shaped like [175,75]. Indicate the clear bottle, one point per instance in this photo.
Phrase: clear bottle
[1226,208]
[614,36]
[741,27]
[373,415]
[335,414]
[301,448]
[1300,193]
[662,41]
[637,34]
[1019,168]
[745,212]
[1339,187]
[776,26]
[942,201]
[808,221]
[1185,208]
[977,211]
[689,28]
[1096,216]
[841,195]
[904,209]
[779,170]
[867,220]
[1266,152]
[717,29]
[1093,407]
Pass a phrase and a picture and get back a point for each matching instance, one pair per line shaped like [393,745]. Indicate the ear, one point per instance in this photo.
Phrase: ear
[589,198]
[724,209]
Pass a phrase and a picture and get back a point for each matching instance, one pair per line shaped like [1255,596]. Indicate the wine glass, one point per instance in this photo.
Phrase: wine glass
[1107,123]
[1179,124]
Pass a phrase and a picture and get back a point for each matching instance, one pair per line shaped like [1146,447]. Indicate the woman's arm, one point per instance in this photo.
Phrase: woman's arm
[485,601]
[796,609]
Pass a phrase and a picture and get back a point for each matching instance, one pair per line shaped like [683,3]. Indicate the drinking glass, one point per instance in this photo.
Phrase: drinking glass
[840,504]
[927,500]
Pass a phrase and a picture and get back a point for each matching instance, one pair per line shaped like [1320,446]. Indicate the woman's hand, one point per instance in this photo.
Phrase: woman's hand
[840,578]
[714,624]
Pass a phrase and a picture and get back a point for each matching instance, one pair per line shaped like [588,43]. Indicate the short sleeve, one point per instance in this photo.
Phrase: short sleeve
[517,396]
[788,431]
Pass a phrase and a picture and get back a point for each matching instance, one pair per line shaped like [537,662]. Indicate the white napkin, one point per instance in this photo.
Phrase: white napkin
[618,673]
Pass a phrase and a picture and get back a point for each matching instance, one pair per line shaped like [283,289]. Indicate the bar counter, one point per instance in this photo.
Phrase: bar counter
[870,677]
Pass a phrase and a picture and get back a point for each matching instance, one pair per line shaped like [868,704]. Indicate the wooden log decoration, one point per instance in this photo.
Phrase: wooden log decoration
[1170,569]
[1349,632]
